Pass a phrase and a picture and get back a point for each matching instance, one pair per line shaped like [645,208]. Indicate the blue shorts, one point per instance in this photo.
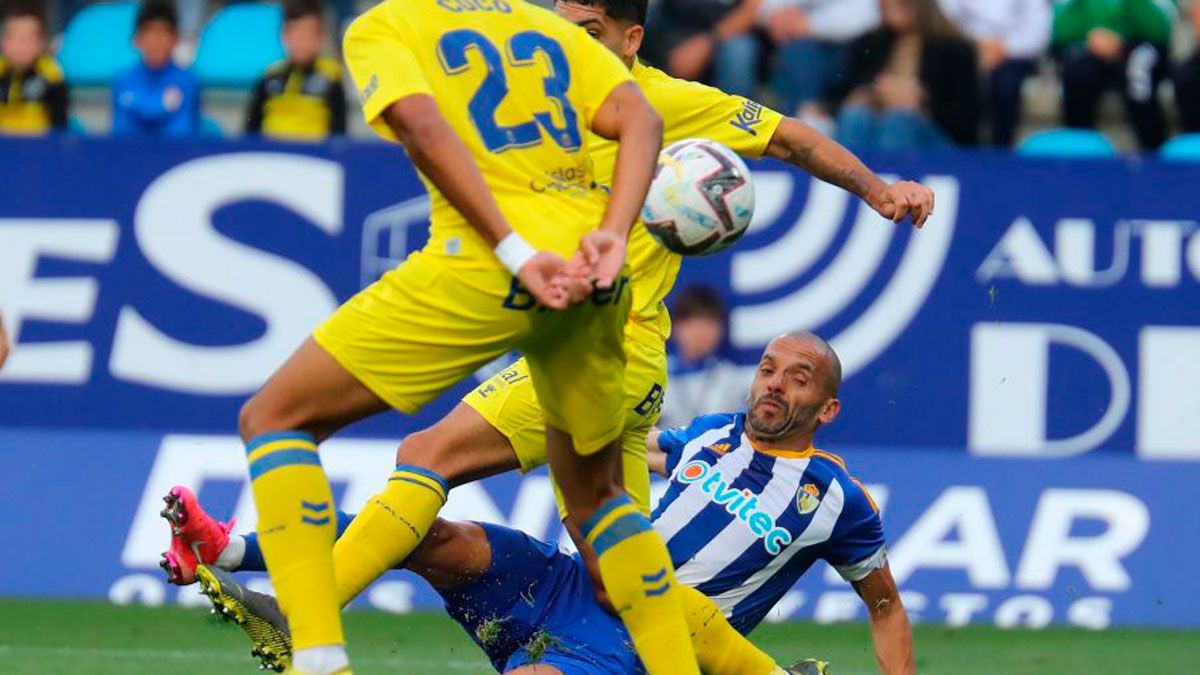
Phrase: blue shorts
[536,605]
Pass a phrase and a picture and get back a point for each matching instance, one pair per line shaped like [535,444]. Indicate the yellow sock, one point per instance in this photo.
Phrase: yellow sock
[387,529]
[720,649]
[296,529]
[640,581]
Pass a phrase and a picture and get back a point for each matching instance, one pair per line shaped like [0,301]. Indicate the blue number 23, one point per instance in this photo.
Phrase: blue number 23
[522,49]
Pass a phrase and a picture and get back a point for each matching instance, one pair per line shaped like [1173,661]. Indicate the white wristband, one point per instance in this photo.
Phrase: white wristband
[514,252]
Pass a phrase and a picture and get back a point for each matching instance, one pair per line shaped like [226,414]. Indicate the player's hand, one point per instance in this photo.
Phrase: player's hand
[904,199]
[3,343]
[575,280]
[603,255]
[542,277]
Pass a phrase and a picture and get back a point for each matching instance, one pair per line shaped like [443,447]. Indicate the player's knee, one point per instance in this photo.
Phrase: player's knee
[249,419]
[428,450]
[259,416]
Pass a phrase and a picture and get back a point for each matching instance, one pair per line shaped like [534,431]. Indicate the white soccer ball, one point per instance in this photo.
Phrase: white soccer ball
[701,199]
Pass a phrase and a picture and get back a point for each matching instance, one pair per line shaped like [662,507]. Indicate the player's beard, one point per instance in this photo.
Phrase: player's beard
[791,423]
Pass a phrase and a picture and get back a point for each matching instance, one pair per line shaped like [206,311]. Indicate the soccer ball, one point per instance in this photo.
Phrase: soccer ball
[701,199]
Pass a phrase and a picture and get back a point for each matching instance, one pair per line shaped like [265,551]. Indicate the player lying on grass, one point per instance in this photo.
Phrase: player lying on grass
[500,426]
[750,506]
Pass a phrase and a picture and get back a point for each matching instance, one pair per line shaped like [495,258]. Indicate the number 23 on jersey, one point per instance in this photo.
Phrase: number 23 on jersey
[521,51]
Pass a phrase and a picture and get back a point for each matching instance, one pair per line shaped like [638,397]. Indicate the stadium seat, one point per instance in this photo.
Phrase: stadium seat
[98,43]
[1185,148]
[238,44]
[1067,143]
[209,128]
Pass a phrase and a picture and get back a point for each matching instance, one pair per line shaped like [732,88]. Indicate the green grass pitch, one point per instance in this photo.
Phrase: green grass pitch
[52,638]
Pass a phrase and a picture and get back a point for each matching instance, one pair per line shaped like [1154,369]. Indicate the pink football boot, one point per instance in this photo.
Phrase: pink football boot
[196,537]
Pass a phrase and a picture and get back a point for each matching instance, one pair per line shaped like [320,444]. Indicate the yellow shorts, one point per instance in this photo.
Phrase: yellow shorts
[509,403]
[428,324]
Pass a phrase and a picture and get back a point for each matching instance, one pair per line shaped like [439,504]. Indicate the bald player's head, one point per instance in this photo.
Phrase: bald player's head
[794,390]
[832,365]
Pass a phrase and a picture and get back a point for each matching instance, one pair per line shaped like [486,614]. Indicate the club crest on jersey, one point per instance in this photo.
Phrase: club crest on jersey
[808,498]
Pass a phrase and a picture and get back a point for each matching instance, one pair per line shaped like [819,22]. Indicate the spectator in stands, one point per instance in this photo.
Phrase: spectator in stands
[700,381]
[1010,36]
[156,97]
[707,40]
[812,39]
[1187,82]
[33,93]
[1106,44]
[300,98]
[911,84]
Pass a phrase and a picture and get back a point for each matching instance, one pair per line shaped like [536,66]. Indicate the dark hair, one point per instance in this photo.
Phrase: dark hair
[698,302]
[932,22]
[633,11]
[298,9]
[25,10]
[158,10]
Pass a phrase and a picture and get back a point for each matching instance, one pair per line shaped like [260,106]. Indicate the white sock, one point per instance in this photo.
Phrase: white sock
[231,558]
[324,660]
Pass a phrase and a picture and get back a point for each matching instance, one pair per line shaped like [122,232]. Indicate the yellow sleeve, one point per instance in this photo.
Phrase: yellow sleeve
[383,67]
[50,70]
[693,110]
[599,72]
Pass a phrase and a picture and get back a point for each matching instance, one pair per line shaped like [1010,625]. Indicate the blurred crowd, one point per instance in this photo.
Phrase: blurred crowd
[907,74]
[300,98]
[887,74]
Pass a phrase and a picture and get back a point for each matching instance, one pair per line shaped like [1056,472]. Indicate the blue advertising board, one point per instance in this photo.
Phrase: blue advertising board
[1091,542]
[1020,373]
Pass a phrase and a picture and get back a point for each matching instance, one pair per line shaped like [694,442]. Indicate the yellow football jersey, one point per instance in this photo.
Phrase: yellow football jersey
[519,85]
[688,110]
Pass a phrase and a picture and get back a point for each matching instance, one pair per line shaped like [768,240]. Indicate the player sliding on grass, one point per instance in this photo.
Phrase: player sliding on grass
[751,505]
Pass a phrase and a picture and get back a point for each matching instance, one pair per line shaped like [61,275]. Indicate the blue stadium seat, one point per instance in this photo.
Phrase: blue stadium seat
[238,44]
[98,43]
[75,127]
[1067,143]
[1185,148]
[209,128]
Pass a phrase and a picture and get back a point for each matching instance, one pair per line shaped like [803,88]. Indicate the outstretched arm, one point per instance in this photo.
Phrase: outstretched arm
[655,457]
[797,143]
[890,629]
[442,156]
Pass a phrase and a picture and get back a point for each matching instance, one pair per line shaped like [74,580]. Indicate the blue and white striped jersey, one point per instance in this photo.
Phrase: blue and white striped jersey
[742,525]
